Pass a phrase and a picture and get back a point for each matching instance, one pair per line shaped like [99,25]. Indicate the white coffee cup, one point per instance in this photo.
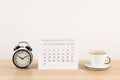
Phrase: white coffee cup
[99,58]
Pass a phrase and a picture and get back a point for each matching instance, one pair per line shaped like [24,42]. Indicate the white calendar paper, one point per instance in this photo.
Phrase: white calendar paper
[58,54]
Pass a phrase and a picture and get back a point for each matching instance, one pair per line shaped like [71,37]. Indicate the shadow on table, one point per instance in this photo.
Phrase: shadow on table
[34,65]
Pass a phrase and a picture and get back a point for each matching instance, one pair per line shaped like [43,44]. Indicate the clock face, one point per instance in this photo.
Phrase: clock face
[22,58]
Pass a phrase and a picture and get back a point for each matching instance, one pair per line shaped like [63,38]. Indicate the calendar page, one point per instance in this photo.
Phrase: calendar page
[58,54]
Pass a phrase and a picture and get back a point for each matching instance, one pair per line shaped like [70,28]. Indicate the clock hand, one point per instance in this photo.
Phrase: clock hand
[25,57]
[20,57]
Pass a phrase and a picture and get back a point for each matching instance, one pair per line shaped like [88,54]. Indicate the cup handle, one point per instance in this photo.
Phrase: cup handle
[109,60]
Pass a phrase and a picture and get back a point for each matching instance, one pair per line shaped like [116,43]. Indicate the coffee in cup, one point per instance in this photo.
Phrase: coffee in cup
[99,58]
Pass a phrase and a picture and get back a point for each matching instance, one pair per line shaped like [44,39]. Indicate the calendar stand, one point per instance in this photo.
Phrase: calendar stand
[58,54]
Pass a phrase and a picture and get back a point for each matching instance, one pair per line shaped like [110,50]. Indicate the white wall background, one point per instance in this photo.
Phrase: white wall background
[95,24]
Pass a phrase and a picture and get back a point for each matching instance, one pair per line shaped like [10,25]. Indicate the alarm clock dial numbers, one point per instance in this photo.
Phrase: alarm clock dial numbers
[22,58]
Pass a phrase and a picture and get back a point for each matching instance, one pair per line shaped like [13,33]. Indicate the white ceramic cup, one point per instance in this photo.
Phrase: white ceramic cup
[99,58]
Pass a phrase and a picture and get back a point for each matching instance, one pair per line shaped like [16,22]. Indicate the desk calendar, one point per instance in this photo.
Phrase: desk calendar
[58,54]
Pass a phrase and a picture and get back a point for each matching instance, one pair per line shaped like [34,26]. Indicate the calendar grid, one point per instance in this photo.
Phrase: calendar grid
[58,54]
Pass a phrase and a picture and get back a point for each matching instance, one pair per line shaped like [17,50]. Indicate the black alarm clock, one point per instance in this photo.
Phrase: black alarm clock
[22,56]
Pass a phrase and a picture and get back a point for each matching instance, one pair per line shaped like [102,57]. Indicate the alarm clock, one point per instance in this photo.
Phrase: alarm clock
[22,56]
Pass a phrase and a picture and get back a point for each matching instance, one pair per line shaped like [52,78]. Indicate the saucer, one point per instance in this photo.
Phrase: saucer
[90,66]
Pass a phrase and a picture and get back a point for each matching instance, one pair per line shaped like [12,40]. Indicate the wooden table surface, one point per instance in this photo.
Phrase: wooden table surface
[9,72]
